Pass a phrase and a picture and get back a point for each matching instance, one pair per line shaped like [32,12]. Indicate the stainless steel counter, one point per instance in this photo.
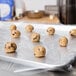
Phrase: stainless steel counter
[7,68]
[4,73]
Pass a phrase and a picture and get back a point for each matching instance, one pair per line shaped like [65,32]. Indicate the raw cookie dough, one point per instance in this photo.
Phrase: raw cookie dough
[10,47]
[15,33]
[63,41]
[13,27]
[39,51]
[35,37]
[73,32]
[51,31]
[29,28]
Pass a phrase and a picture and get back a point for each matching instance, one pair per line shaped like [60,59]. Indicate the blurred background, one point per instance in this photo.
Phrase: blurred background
[45,11]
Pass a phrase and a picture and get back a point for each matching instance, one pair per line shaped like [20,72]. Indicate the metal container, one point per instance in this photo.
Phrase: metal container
[67,11]
[35,14]
[56,56]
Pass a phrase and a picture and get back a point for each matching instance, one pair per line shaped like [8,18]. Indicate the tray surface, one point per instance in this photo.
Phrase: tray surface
[55,55]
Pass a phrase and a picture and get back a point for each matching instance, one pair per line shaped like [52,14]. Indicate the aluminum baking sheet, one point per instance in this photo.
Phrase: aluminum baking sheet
[55,55]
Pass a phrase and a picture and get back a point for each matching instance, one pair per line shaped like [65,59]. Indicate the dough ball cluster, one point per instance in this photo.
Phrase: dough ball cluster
[10,47]
[14,32]
[39,51]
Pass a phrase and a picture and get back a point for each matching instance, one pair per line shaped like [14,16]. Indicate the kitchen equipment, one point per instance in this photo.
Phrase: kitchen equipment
[67,11]
[51,9]
[56,56]
[35,14]
[66,68]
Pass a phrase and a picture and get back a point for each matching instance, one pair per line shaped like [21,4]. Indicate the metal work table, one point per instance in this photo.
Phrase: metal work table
[7,68]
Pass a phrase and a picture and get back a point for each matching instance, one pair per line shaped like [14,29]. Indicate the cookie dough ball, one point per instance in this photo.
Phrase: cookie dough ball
[10,47]
[35,37]
[63,41]
[13,27]
[15,33]
[29,28]
[73,32]
[39,51]
[51,31]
